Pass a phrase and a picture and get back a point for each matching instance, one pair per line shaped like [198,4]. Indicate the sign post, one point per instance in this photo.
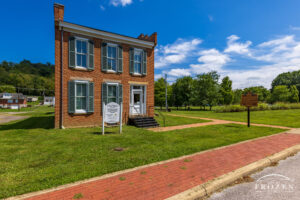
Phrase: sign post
[249,100]
[112,113]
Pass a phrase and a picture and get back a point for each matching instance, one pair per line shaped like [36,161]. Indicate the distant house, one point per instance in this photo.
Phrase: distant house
[49,101]
[32,99]
[12,100]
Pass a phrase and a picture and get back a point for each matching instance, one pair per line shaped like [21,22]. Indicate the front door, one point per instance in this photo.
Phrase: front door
[137,102]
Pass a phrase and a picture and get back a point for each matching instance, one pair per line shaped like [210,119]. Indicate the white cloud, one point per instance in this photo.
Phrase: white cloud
[295,28]
[121,2]
[211,18]
[179,72]
[210,60]
[175,53]
[236,47]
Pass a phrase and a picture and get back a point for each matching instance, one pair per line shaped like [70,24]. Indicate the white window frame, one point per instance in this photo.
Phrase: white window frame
[86,54]
[113,84]
[87,85]
[109,58]
[134,52]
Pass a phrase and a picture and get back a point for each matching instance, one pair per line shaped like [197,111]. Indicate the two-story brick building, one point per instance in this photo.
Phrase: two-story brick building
[94,66]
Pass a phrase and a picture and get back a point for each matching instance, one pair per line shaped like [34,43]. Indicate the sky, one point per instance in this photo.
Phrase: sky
[251,41]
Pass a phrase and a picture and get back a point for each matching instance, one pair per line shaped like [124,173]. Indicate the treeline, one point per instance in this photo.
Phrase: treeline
[206,90]
[27,78]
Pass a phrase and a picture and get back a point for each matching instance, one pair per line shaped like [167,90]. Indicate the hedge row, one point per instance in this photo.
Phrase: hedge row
[261,106]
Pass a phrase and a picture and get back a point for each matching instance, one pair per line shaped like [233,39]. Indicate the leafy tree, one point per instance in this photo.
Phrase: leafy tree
[160,93]
[7,88]
[206,89]
[226,91]
[237,95]
[288,79]
[294,98]
[262,92]
[280,93]
[182,91]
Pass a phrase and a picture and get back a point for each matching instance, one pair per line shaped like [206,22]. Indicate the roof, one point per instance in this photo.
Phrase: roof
[13,95]
[76,28]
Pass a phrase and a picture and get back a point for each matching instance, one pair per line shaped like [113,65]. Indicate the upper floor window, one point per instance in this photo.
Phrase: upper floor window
[112,57]
[137,61]
[81,53]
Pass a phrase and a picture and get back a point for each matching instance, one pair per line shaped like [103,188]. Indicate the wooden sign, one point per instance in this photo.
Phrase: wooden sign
[249,100]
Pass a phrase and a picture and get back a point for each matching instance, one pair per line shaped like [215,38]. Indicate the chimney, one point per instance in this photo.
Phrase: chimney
[58,12]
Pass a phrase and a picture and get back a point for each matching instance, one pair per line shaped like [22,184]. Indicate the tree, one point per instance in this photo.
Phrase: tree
[280,93]
[182,91]
[262,92]
[226,91]
[206,89]
[7,88]
[237,95]
[294,98]
[160,93]
[288,79]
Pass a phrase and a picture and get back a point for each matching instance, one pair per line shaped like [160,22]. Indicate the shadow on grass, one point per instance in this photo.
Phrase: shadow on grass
[45,122]
[106,132]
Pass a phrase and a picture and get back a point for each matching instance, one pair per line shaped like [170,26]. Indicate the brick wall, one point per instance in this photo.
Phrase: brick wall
[97,76]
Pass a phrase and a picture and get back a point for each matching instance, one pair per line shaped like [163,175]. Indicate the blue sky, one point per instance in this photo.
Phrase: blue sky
[251,41]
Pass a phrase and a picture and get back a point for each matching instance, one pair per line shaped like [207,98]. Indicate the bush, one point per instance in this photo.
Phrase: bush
[260,107]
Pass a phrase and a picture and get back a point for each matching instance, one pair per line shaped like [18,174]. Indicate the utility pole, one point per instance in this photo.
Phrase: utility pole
[166,83]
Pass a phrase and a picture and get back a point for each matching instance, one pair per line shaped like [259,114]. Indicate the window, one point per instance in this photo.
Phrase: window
[137,61]
[112,57]
[81,53]
[81,97]
[112,93]
[9,101]
[16,101]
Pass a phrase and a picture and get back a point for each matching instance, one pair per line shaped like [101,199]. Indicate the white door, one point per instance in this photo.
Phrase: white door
[137,102]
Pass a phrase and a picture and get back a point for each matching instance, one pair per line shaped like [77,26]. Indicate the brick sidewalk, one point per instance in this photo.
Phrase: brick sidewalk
[170,178]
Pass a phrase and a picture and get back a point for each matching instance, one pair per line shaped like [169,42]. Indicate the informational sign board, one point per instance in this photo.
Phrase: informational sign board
[249,100]
[112,113]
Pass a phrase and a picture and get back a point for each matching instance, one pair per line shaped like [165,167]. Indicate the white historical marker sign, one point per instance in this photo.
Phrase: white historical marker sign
[112,113]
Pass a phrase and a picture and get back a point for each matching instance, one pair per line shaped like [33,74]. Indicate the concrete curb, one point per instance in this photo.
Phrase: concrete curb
[206,189]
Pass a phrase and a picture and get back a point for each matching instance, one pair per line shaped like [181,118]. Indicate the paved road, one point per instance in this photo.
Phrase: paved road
[5,118]
[281,182]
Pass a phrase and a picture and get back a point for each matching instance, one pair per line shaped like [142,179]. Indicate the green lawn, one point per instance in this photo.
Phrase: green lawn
[174,120]
[33,156]
[289,118]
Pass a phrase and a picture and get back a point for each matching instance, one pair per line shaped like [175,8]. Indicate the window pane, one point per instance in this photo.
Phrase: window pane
[114,52]
[83,88]
[78,57]
[112,91]
[84,46]
[78,103]
[113,65]
[112,100]
[83,60]
[83,103]
[78,90]
[78,46]
[108,63]
[137,56]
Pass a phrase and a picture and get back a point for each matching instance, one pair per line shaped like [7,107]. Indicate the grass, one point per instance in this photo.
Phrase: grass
[288,118]
[175,121]
[33,156]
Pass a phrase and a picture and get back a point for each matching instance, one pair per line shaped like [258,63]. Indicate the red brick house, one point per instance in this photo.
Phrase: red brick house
[12,100]
[94,66]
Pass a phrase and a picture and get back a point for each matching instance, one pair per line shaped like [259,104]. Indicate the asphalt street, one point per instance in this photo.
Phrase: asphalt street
[280,182]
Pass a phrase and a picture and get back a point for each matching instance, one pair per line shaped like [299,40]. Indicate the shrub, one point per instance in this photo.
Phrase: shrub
[260,107]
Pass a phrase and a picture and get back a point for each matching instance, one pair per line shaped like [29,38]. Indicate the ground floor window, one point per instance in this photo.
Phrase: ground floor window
[81,97]
[112,93]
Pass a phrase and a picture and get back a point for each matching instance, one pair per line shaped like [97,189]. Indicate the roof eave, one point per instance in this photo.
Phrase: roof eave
[74,28]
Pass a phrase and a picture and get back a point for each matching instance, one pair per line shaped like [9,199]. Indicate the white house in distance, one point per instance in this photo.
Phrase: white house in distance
[49,101]
[32,99]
